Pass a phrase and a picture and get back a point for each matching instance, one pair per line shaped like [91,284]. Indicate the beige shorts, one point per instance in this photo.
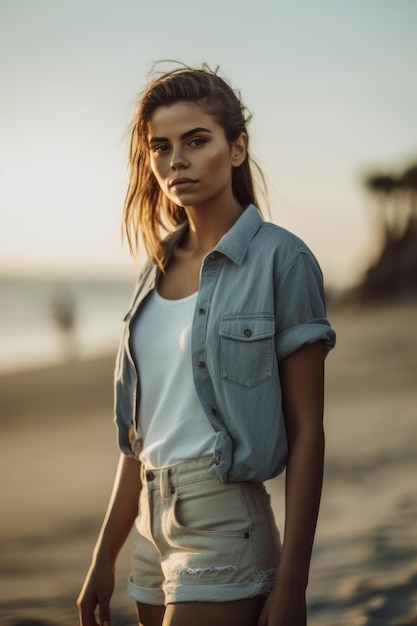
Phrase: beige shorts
[197,540]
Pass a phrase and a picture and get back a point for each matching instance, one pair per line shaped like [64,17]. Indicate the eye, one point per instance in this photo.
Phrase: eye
[161,149]
[197,141]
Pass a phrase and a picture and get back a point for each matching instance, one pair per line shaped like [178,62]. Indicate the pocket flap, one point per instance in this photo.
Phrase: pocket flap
[247,327]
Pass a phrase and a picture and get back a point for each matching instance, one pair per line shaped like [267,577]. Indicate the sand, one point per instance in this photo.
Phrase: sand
[58,455]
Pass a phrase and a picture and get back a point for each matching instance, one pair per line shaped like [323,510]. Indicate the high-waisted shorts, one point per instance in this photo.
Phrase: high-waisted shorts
[197,540]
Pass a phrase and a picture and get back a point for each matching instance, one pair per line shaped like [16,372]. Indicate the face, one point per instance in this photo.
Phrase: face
[190,156]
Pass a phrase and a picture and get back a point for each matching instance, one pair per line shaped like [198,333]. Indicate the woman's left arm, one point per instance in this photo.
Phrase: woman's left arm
[302,380]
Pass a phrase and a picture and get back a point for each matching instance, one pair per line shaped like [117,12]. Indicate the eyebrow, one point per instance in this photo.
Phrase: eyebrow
[183,136]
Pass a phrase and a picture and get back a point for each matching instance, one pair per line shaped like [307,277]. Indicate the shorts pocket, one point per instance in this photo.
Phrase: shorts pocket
[247,348]
[218,511]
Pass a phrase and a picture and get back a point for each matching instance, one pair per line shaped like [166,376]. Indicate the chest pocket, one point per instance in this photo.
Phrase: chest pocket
[247,348]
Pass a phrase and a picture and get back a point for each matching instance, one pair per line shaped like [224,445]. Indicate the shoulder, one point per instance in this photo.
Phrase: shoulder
[280,236]
[285,247]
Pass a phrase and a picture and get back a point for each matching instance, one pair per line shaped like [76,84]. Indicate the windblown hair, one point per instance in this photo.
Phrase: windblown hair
[148,214]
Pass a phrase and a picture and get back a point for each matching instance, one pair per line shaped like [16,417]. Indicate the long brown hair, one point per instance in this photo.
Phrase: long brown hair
[147,212]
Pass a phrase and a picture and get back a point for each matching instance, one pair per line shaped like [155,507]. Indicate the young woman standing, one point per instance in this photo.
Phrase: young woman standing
[218,383]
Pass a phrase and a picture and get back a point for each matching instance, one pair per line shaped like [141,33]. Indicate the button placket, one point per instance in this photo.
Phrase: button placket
[203,382]
[200,321]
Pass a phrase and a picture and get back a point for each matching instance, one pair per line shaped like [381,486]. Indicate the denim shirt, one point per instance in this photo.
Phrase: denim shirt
[261,298]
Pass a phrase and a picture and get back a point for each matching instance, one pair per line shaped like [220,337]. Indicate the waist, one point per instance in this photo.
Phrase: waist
[189,471]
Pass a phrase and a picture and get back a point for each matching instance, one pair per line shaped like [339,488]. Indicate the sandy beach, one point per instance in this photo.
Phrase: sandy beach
[58,455]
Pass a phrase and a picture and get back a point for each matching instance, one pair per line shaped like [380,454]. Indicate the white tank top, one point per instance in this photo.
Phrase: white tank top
[172,422]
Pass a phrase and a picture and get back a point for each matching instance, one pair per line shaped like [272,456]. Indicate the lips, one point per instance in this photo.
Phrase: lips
[181,183]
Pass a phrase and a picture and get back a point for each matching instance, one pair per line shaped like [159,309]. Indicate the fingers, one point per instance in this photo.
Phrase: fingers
[95,597]
[86,614]
[88,619]
[104,612]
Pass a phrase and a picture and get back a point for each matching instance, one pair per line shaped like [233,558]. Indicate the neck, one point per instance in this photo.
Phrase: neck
[207,227]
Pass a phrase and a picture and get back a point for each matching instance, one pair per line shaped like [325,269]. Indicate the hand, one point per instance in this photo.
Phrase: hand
[284,607]
[96,592]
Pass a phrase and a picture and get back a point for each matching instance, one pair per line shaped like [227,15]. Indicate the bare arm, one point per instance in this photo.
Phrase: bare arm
[120,516]
[302,379]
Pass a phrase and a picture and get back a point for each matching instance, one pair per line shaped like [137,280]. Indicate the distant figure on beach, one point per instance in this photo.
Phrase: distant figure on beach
[64,315]
[218,381]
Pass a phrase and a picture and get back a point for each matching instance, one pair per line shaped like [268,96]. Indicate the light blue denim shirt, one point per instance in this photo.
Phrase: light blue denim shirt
[261,297]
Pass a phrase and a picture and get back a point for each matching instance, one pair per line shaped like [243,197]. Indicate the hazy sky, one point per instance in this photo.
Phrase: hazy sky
[331,84]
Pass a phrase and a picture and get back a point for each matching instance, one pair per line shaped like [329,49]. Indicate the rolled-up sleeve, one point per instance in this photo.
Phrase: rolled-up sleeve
[301,307]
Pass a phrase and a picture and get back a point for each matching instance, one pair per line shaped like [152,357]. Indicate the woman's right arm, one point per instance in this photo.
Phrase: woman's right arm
[120,516]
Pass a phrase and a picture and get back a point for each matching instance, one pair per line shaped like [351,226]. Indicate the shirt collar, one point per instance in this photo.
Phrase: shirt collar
[235,243]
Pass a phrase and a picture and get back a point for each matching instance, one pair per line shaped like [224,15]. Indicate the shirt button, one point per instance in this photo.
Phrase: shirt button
[214,256]
[247,332]
[201,365]
[202,311]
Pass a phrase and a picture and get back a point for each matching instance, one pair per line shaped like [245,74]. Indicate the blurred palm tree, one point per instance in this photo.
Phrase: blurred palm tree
[389,218]
[395,270]
[409,185]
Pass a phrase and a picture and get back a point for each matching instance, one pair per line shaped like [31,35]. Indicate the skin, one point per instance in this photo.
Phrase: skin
[185,142]
[206,158]
[121,513]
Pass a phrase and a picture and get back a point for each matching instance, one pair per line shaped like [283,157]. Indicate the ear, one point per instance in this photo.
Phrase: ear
[239,150]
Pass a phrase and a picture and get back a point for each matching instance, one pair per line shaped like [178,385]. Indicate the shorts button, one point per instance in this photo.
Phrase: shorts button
[172,490]
[150,476]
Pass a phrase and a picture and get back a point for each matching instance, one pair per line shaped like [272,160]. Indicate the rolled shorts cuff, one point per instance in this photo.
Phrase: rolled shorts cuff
[147,595]
[200,593]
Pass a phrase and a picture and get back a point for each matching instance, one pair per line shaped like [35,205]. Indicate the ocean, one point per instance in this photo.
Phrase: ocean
[47,321]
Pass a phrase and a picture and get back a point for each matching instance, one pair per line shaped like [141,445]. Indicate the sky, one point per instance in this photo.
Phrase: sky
[331,86]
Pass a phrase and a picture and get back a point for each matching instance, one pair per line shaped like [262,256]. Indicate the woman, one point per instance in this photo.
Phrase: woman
[218,381]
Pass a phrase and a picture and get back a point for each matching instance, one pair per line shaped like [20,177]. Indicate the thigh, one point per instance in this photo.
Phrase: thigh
[149,614]
[240,612]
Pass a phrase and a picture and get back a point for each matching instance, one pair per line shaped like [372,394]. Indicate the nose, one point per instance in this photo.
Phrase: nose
[178,161]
